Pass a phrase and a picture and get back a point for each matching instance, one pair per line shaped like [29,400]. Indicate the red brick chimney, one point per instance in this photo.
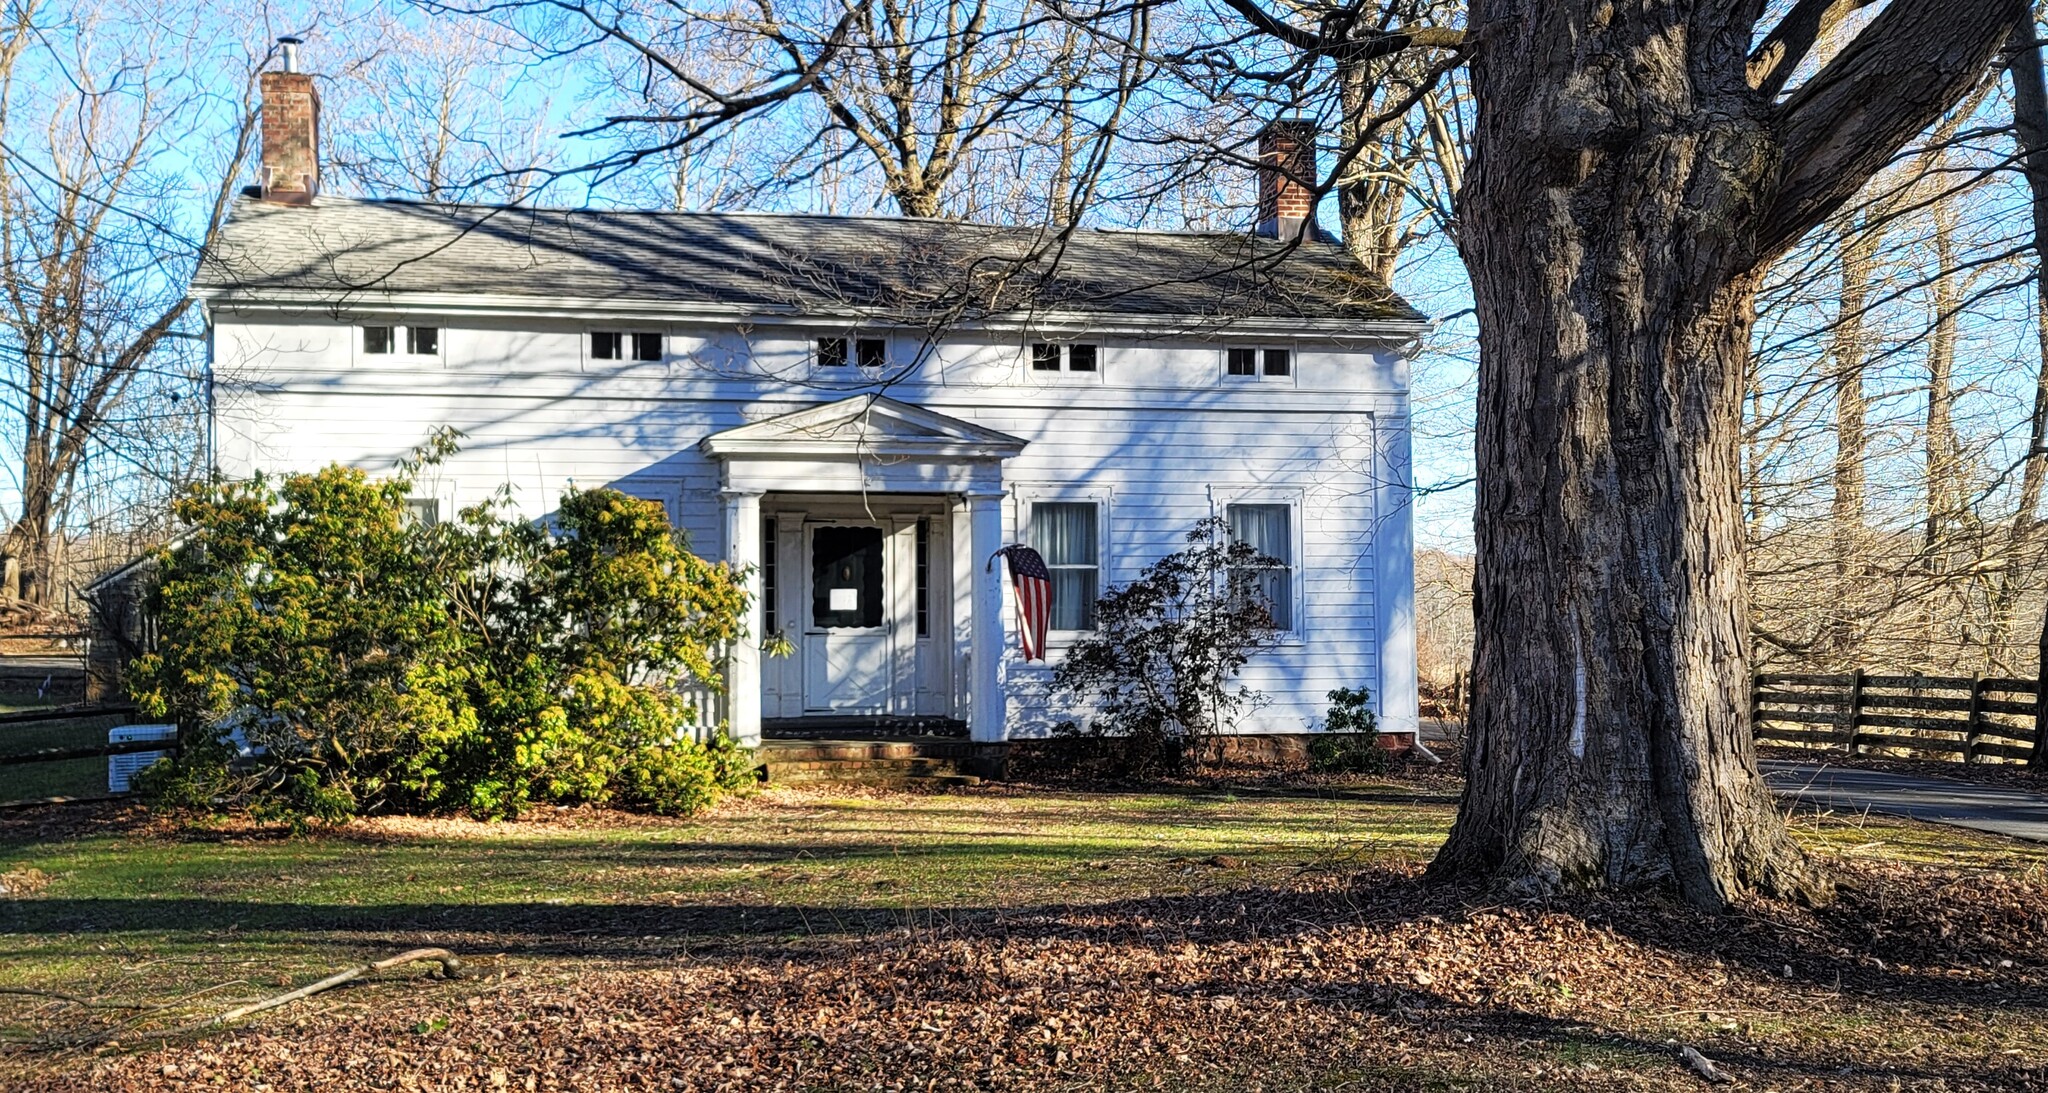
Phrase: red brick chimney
[291,133]
[1287,174]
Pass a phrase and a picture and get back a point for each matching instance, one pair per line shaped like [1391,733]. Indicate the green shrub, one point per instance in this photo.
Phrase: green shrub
[1358,750]
[477,665]
[684,777]
[1160,670]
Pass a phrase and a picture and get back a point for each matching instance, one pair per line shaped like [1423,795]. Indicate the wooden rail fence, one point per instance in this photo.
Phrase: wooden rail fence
[1969,718]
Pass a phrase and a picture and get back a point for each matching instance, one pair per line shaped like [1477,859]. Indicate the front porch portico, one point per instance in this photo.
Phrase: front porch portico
[864,527]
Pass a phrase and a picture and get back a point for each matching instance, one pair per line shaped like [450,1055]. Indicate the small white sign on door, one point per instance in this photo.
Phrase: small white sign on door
[846,599]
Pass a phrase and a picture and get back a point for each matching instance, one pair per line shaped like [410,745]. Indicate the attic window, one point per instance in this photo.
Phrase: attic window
[1053,357]
[614,345]
[1243,362]
[419,341]
[870,353]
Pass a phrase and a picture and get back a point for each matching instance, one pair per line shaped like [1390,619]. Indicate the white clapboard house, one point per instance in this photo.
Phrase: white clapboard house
[860,411]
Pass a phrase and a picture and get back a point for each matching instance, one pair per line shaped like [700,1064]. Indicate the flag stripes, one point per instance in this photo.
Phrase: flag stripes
[1033,584]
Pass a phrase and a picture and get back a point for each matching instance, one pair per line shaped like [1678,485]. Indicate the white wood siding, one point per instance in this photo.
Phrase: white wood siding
[1160,430]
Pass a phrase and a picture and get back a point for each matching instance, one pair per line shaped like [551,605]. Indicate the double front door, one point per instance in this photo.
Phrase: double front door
[866,606]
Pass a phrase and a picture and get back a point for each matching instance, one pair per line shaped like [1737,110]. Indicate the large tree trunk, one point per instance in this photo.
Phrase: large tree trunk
[1628,185]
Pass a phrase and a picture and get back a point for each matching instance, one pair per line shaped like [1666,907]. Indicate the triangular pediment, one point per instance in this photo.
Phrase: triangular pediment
[864,425]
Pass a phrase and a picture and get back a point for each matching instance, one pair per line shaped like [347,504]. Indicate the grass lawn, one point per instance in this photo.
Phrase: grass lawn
[1002,937]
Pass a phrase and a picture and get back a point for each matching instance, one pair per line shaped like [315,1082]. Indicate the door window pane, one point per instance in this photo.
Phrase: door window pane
[1269,530]
[846,578]
[1065,534]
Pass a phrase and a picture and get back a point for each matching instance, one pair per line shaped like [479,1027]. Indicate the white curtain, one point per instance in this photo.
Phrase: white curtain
[1064,534]
[1268,530]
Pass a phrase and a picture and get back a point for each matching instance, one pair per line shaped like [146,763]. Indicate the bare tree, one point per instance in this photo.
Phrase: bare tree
[90,99]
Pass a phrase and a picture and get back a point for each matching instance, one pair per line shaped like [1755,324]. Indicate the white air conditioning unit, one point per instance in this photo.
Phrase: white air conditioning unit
[122,769]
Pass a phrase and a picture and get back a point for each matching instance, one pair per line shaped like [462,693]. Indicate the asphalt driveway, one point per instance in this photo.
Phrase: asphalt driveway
[1995,809]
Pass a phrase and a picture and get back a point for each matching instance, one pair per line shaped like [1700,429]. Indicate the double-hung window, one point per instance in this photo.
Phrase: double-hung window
[1067,534]
[1269,529]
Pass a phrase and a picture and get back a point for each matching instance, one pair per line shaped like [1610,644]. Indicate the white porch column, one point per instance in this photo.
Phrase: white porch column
[985,642]
[743,670]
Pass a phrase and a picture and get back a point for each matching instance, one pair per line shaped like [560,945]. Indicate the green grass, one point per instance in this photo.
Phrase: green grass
[783,865]
[144,911]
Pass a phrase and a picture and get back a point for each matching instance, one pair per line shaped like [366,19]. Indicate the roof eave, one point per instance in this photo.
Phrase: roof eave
[1391,328]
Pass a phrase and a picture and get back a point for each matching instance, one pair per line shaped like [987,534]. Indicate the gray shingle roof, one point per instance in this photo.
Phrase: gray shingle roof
[797,265]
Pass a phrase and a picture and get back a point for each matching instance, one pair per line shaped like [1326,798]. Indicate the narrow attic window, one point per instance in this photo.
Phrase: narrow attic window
[607,345]
[377,340]
[1051,356]
[874,352]
[1242,362]
[422,341]
[831,352]
[646,347]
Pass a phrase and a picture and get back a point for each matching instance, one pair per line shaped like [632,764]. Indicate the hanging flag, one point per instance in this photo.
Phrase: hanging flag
[1033,583]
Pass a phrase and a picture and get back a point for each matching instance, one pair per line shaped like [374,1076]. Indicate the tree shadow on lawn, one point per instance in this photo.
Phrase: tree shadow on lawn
[1925,943]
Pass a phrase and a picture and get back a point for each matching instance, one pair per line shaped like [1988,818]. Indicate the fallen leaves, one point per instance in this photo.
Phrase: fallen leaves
[1376,982]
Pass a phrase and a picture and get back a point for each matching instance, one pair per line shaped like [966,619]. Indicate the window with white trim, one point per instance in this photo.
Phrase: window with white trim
[619,345]
[423,511]
[1082,357]
[1269,529]
[1067,534]
[384,340]
[871,354]
[1253,362]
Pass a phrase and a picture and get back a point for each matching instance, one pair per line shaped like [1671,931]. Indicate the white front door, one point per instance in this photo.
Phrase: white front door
[850,620]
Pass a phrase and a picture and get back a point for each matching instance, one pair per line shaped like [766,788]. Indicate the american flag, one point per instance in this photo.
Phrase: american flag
[1033,583]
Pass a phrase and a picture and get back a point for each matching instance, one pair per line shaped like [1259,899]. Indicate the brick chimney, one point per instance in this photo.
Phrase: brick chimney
[291,133]
[1287,173]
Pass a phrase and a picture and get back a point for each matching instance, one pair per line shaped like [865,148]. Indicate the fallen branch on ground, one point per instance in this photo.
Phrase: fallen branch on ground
[1703,1066]
[451,967]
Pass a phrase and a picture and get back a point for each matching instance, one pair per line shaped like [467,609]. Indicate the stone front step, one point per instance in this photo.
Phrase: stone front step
[868,762]
[815,751]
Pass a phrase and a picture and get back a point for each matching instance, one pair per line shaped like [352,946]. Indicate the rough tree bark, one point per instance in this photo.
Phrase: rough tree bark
[1629,184]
